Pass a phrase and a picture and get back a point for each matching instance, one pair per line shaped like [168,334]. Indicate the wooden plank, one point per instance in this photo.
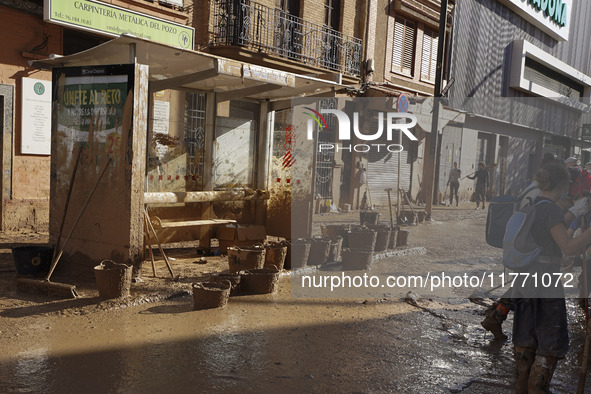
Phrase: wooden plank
[187,223]
[205,196]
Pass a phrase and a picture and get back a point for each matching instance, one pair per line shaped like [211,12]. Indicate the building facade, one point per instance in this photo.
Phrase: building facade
[322,40]
[522,77]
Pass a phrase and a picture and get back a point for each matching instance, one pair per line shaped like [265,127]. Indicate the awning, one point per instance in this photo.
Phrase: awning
[173,68]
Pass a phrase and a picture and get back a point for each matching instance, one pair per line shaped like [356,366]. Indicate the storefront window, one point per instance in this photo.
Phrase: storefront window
[176,141]
[235,144]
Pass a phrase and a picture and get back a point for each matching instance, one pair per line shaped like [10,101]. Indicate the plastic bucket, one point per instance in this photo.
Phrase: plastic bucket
[336,230]
[300,251]
[336,246]
[233,279]
[393,237]
[275,254]
[356,259]
[113,280]
[421,215]
[408,216]
[362,239]
[240,259]
[259,281]
[382,238]
[32,260]
[207,295]
[369,217]
[319,251]
[402,238]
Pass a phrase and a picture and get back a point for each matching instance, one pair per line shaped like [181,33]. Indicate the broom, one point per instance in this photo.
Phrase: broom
[44,286]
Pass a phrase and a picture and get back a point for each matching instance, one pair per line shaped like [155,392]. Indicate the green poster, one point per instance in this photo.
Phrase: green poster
[90,106]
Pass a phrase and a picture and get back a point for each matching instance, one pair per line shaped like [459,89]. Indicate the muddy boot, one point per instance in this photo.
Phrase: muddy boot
[524,359]
[494,322]
[541,375]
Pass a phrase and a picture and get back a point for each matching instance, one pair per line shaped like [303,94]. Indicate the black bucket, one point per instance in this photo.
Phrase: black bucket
[32,260]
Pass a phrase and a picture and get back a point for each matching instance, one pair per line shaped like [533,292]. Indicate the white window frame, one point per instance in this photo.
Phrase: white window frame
[521,50]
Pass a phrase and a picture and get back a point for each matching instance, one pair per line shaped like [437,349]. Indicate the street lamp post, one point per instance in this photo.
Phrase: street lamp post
[432,148]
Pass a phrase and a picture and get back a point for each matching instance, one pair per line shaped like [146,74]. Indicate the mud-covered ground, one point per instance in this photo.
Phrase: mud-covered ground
[155,342]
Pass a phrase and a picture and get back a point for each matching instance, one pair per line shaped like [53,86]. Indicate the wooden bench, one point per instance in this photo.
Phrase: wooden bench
[207,218]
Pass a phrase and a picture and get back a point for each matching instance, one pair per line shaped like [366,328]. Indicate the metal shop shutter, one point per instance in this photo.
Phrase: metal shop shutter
[382,171]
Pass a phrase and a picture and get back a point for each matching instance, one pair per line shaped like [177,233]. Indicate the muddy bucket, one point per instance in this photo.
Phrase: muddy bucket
[336,230]
[336,246]
[319,251]
[369,217]
[259,281]
[356,259]
[275,254]
[300,251]
[113,280]
[245,258]
[362,238]
[32,260]
[421,215]
[408,217]
[382,238]
[233,279]
[393,237]
[402,239]
[207,295]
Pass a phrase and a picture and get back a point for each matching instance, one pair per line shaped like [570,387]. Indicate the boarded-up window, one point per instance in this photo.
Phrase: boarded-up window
[404,46]
[429,59]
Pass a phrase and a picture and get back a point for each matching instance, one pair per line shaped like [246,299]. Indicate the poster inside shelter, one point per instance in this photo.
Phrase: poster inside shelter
[90,105]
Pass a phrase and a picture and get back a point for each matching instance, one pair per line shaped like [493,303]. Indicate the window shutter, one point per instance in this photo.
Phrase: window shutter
[429,59]
[403,46]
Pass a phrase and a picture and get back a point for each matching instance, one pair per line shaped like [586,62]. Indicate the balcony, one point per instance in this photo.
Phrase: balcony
[275,32]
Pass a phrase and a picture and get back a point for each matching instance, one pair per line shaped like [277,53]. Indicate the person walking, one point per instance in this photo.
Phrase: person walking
[481,177]
[454,183]
[540,332]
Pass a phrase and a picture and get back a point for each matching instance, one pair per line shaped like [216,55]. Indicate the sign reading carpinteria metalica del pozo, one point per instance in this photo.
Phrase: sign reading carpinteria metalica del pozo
[108,19]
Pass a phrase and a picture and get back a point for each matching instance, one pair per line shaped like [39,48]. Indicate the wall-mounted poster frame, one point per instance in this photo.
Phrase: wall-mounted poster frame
[90,107]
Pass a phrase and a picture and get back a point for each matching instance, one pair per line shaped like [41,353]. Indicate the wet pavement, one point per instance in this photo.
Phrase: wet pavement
[275,343]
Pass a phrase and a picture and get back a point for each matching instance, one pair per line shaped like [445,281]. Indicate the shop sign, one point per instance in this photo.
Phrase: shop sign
[550,16]
[103,18]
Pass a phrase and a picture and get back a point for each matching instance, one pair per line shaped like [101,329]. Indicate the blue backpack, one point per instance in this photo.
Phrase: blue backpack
[500,210]
[519,247]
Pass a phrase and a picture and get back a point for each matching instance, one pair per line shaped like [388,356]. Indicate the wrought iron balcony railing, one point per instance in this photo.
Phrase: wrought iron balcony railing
[273,31]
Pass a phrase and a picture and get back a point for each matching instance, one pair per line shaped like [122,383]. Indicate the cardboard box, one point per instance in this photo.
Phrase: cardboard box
[232,235]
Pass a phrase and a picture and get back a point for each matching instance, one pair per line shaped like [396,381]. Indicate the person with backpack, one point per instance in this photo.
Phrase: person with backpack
[481,177]
[497,313]
[540,332]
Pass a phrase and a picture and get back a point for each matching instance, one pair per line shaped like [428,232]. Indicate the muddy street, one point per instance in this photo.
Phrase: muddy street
[278,342]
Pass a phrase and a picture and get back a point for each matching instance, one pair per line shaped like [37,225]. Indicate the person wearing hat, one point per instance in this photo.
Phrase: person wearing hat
[481,177]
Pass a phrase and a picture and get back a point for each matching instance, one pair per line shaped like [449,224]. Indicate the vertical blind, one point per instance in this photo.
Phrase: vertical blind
[404,45]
